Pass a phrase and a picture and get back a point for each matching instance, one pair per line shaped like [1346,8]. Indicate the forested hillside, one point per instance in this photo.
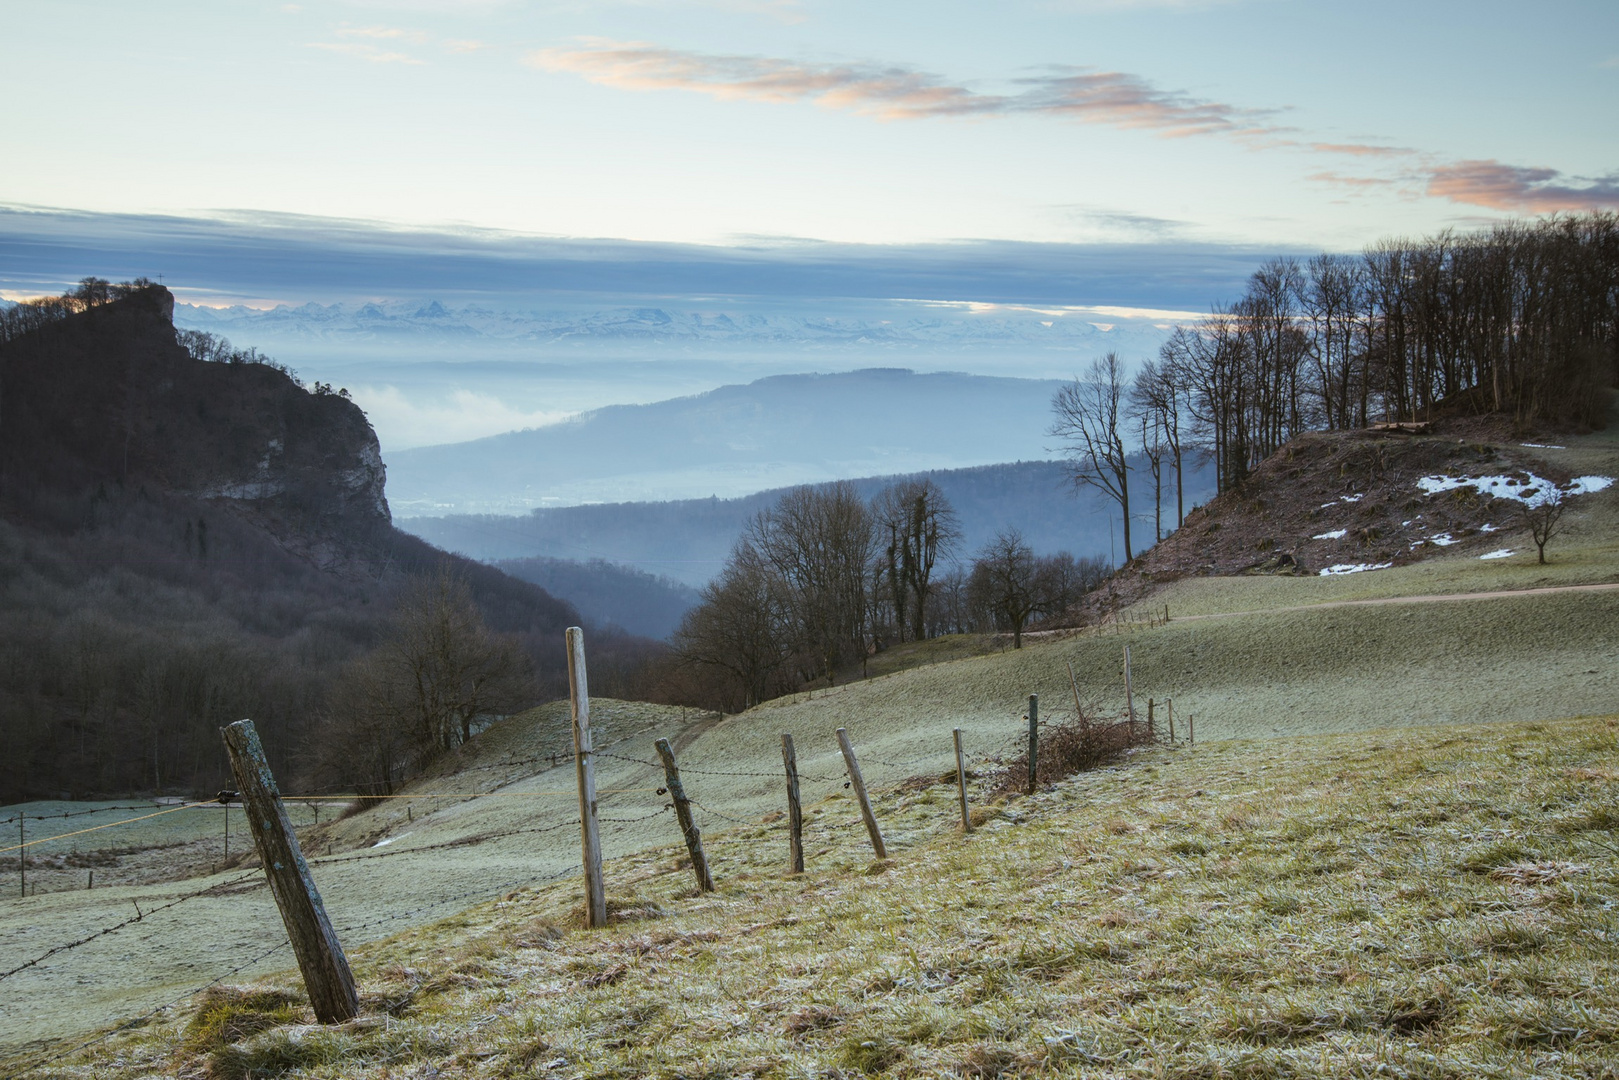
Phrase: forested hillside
[184,543]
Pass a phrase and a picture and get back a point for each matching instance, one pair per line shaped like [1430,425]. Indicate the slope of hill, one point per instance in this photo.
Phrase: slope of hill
[688,540]
[1410,904]
[186,543]
[620,596]
[783,430]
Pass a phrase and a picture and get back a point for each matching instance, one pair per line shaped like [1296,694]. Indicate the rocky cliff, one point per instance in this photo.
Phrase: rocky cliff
[108,398]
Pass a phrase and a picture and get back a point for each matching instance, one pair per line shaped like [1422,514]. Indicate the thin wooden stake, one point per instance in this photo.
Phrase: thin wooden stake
[227,832]
[320,956]
[1191,729]
[1169,707]
[961,783]
[860,793]
[688,827]
[795,809]
[584,760]
[1151,733]
[1129,700]
[1079,710]
[1034,737]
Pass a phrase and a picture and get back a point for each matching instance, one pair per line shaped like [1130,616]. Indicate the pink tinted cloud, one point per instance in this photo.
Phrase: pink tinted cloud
[1117,99]
[891,93]
[1111,98]
[1517,188]
[1361,183]
[1361,149]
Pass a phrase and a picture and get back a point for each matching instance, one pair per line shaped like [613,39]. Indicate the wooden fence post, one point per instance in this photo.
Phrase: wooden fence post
[1079,710]
[584,760]
[326,972]
[1169,707]
[1191,729]
[795,809]
[688,827]
[22,853]
[1151,731]
[860,793]
[961,783]
[1034,737]
[1129,698]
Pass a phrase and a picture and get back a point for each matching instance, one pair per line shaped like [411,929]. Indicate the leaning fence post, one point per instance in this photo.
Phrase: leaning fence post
[961,783]
[320,956]
[1034,736]
[688,827]
[795,809]
[584,760]
[860,793]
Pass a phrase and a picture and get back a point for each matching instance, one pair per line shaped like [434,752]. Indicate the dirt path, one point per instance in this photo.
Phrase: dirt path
[1429,598]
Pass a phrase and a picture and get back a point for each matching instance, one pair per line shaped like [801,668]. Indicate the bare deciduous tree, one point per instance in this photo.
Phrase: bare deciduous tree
[1003,577]
[917,526]
[1089,425]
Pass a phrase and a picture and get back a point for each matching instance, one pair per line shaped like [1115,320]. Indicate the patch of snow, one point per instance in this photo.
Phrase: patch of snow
[1543,446]
[1445,539]
[384,841]
[1353,568]
[1335,534]
[1501,554]
[1536,491]
[1352,498]
[1487,528]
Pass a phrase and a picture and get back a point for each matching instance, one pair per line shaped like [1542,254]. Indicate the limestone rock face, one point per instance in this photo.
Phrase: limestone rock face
[109,397]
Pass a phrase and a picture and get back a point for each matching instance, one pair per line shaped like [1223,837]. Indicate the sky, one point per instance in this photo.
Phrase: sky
[1100,160]
[1252,122]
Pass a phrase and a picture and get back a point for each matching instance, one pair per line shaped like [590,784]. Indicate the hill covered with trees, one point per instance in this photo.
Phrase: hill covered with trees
[191,536]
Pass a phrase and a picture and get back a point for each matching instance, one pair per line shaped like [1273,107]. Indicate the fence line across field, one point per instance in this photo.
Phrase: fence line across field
[314,940]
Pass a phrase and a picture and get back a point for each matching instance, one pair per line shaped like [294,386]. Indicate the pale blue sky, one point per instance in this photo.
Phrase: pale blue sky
[1267,123]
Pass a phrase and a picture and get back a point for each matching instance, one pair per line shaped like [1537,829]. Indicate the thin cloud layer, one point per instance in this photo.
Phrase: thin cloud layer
[1515,188]
[893,92]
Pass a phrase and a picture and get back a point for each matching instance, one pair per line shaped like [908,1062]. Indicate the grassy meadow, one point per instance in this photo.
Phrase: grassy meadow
[1400,903]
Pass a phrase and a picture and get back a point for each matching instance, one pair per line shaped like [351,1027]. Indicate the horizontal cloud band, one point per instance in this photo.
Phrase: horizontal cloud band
[1111,98]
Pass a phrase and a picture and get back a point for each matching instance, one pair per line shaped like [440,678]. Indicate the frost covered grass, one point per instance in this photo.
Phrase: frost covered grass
[1403,904]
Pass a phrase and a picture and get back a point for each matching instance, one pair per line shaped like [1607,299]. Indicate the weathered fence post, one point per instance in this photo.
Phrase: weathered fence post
[1191,729]
[22,854]
[1129,697]
[1079,710]
[1169,707]
[688,827]
[584,760]
[1151,730]
[859,783]
[1034,737]
[795,809]
[961,783]
[320,956]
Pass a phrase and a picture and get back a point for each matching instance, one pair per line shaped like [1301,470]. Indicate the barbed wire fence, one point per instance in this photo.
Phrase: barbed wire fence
[726,820]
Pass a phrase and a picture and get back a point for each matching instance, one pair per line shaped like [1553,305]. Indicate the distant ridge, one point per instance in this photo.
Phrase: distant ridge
[774,432]
[687,540]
